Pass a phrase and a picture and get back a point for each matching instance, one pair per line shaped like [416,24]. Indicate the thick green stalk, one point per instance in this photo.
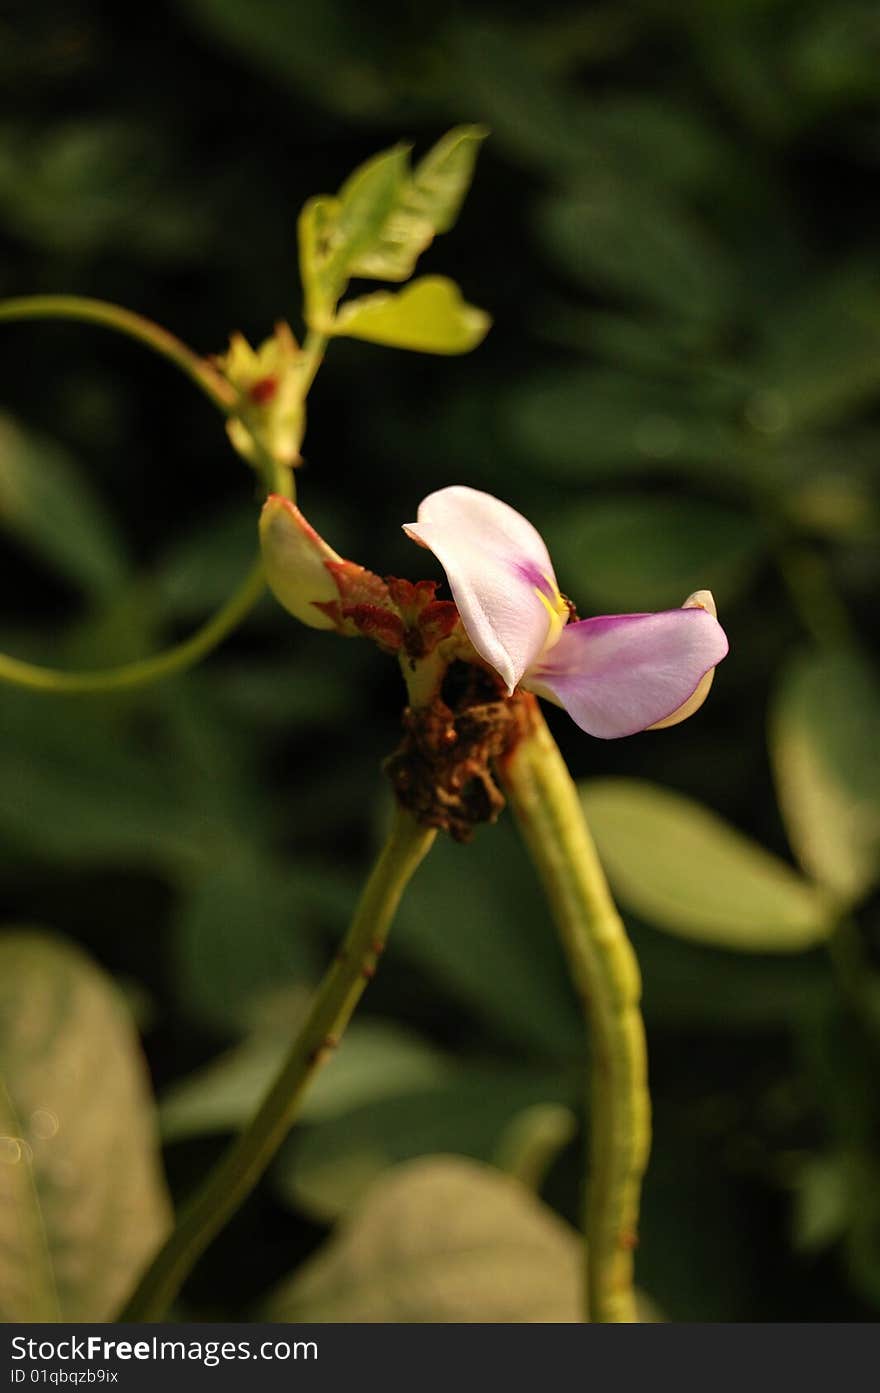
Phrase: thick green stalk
[143,670]
[241,1167]
[606,975]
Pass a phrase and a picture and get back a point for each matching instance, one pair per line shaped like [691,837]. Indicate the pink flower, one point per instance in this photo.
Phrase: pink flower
[614,675]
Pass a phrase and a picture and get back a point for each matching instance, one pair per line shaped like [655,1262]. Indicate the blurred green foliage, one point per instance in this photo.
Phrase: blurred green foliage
[674,228]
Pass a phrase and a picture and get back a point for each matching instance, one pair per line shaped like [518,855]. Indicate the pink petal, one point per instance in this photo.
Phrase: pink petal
[622,673]
[498,567]
[701,599]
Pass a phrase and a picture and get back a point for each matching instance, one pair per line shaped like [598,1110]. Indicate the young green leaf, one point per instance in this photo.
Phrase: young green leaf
[428,203]
[428,316]
[81,1122]
[315,233]
[825,745]
[684,869]
[367,199]
[382,219]
[334,233]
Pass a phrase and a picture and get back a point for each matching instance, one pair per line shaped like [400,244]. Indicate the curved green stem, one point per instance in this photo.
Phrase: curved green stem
[134,326]
[239,1170]
[277,477]
[144,670]
[606,974]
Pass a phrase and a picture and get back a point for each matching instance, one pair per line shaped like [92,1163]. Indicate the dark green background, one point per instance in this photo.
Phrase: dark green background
[674,226]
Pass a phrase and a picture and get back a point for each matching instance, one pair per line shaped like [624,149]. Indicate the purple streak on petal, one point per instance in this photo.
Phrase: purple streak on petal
[535,578]
[494,560]
[619,674]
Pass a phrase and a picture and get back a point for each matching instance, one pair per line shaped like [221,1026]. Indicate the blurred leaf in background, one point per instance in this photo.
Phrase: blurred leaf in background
[84,1200]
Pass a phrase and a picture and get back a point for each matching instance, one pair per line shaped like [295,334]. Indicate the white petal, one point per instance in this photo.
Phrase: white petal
[500,574]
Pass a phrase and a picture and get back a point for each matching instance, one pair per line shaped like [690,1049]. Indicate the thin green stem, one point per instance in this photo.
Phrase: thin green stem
[606,975]
[144,670]
[134,326]
[239,1170]
[277,477]
[313,350]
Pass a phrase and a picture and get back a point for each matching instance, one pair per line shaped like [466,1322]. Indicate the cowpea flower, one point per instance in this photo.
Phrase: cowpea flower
[615,674]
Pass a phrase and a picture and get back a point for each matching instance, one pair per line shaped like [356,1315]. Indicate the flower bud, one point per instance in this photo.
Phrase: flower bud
[271,413]
[295,560]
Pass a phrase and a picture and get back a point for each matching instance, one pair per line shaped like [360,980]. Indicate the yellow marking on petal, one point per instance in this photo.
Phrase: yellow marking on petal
[693,703]
[558,612]
[701,599]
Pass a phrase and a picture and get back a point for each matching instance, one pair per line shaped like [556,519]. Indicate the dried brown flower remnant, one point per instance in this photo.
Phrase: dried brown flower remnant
[443,771]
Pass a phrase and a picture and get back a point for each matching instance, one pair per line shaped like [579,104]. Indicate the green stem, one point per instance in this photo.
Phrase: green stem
[134,326]
[277,477]
[144,670]
[606,975]
[313,351]
[239,1170]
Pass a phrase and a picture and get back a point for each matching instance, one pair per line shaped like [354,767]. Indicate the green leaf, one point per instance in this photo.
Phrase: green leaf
[335,232]
[684,869]
[46,502]
[27,1281]
[375,1060]
[83,1128]
[326,1167]
[444,176]
[367,199]
[638,553]
[441,1240]
[382,219]
[321,289]
[428,316]
[428,203]
[825,744]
